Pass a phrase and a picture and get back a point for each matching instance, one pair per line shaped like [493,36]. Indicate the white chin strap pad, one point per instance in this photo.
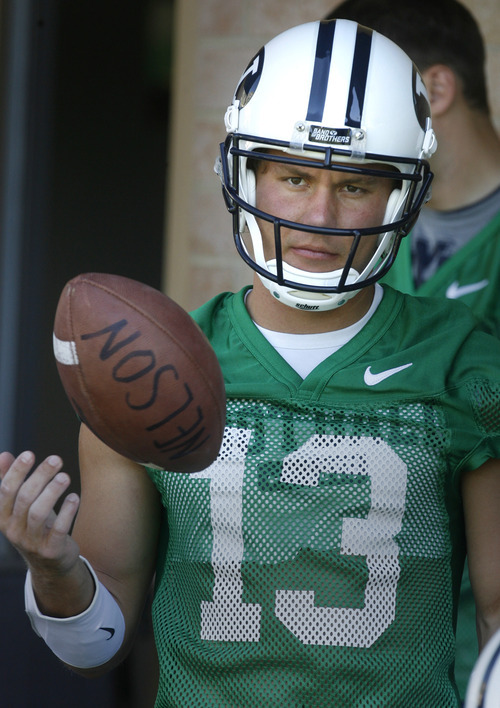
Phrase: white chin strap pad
[305,300]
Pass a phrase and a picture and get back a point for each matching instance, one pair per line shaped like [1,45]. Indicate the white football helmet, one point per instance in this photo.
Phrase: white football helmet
[483,689]
[344,95]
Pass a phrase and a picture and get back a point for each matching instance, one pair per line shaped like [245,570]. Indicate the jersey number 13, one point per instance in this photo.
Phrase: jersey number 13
[227,618]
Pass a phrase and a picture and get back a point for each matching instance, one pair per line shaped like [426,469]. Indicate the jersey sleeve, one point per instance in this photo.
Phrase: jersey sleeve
[475,391]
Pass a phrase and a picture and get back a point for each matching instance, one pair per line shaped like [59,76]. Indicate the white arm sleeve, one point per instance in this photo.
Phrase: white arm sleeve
[86,640]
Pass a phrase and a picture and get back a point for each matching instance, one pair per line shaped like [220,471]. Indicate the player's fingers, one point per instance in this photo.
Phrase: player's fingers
[14,473]
[61,524]
[40,533]
[6,459]
[49,537]
[32,487]
[40,514]
[27,502]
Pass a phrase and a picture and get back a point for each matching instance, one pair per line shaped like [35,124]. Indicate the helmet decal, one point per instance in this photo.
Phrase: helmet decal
[332,136]
[422,108]
[321,72]
[359,74]
[250,79]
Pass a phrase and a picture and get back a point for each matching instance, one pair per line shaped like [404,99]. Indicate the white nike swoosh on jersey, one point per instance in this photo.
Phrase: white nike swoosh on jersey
[373,379]
[455,290]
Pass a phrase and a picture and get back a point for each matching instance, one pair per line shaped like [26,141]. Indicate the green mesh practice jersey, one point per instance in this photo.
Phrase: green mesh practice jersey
[472,275]
[317,561]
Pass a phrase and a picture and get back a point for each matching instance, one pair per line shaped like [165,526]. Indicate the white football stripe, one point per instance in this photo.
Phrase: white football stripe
[65,352]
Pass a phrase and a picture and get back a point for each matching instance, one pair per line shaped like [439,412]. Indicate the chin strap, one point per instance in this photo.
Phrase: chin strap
[311,301]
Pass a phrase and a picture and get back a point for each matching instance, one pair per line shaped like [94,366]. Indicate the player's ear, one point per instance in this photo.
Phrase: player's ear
[442,85]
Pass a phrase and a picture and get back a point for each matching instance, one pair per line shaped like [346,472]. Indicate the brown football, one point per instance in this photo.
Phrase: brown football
[139,372]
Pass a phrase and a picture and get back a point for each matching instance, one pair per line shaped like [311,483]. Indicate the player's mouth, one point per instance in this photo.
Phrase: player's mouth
[316,255]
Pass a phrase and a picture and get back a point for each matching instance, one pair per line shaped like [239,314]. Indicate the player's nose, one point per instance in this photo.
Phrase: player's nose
[322,208]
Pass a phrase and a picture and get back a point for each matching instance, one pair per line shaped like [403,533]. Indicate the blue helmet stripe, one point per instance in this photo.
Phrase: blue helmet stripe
[360,62]
[321,71]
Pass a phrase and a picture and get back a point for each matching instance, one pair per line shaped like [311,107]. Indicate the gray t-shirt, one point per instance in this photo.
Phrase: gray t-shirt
[437,235]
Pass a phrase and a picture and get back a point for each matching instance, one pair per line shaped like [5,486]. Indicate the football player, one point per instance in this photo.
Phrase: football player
[317,561]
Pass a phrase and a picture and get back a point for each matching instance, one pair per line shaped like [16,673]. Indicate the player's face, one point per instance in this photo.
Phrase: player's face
[319,197]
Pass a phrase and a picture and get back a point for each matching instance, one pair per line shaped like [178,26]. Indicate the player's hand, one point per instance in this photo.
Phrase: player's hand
[27,511]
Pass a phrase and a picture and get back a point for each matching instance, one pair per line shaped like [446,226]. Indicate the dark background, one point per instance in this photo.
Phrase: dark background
[91,197]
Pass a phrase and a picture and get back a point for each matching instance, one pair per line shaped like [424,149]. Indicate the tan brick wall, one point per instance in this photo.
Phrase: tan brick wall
[214,41]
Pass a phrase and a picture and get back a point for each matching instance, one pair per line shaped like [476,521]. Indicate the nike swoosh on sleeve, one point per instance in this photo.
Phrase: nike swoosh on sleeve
[455,290]
[372,379]
[110,630]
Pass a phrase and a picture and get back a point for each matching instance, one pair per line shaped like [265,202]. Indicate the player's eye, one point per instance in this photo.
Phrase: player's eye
[296,181]
[353,188]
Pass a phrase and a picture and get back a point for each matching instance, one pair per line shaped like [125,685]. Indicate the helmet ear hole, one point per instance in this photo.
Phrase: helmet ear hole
[393,205]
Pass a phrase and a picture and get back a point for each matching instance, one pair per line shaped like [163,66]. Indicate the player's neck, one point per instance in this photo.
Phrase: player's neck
[467,162]
[268,312]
